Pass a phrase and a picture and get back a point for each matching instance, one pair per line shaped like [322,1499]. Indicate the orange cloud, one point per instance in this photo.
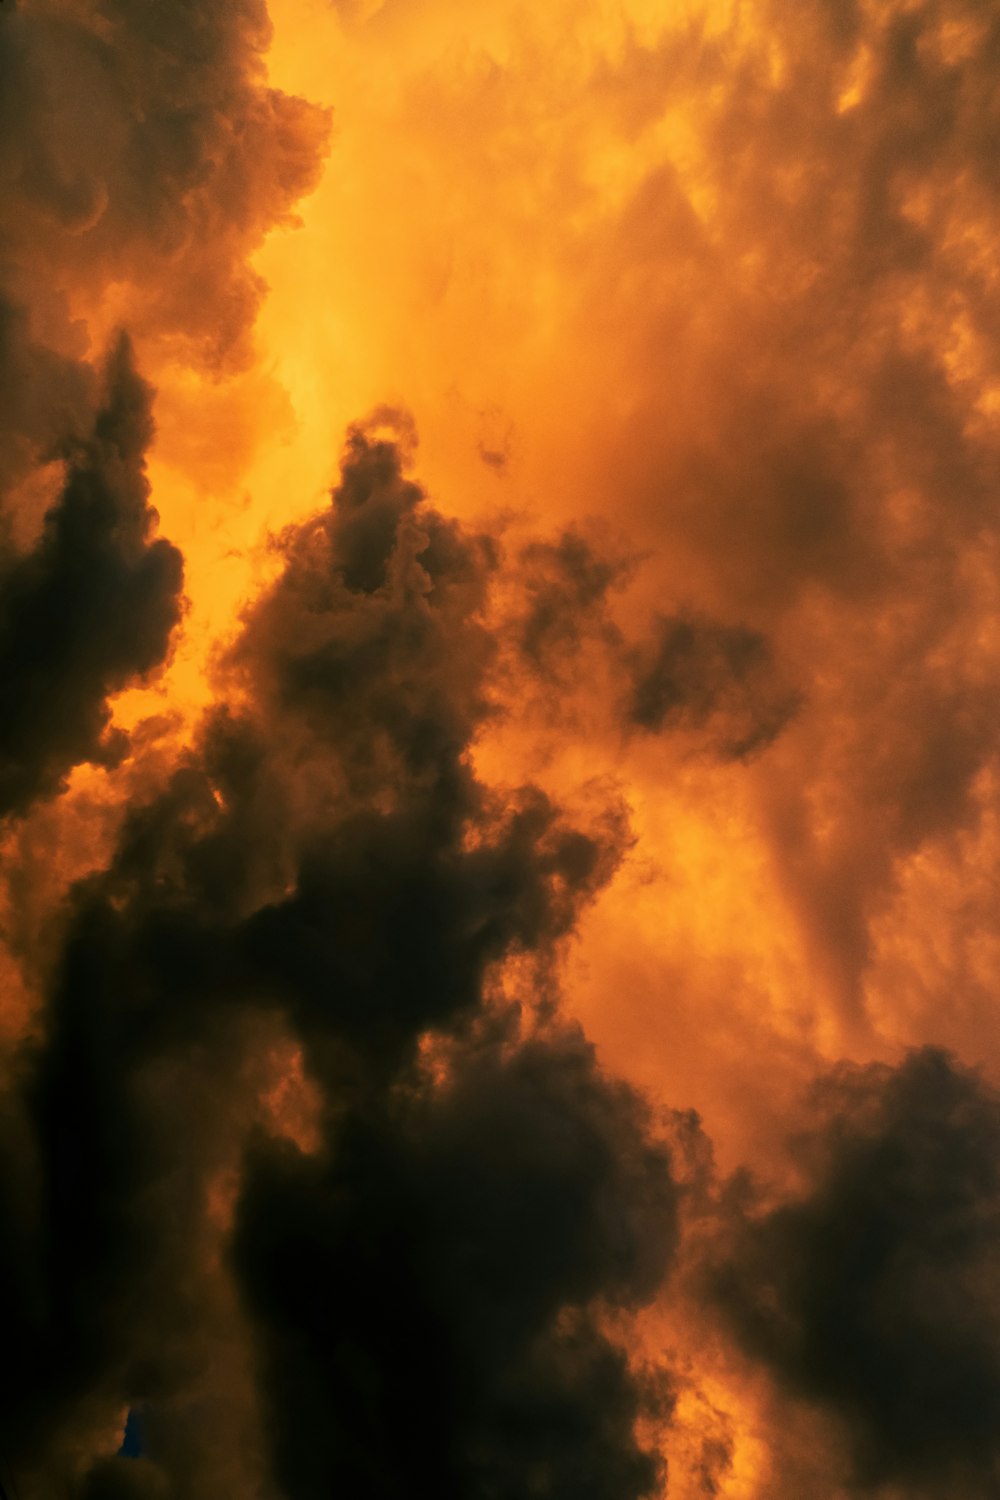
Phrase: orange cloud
[661,706]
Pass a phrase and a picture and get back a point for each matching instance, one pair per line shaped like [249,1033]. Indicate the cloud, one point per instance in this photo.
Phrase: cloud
[427,1294]
[145,157]
[90,606]
[719,681]
[429,1288]
[305,1154]
[567,586]
[870,1292]
[719,687]
[48,401]
[731,280]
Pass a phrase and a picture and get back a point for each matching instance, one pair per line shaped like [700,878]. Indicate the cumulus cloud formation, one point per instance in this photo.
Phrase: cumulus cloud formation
[871,1292]
[718,686]
[89,606]
[827,456]
[730,281]
[47,402]
[427,1298]
[144,157]
[508,1009]
[426,1290]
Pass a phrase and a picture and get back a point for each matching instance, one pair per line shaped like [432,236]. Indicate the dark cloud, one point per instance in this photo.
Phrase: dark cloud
[425,1298]
[124,1479]
[90,606]
[433,1297]
[145,149]
[143,157]
[427,1293]
[719,686]
[359,642]
[719,681]
[806,320]
[46,401]
[872,1292]
[566,586]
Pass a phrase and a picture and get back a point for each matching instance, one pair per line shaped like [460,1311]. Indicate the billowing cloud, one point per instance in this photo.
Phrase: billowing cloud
[663,742]
[719,681]
[428,1289]
[427,1296]
[566,585]
[144,157]
[870,1291]
[89,606]
[718,688]
[728,276]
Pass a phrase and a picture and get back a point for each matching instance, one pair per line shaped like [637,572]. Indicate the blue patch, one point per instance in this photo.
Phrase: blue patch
[132,1444]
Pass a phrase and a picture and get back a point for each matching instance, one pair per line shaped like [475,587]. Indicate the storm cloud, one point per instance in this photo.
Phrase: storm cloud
[90,606]
[871,1292]
[425,1291]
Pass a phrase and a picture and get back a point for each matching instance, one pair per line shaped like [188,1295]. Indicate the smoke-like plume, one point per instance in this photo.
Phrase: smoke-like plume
[89,606]
[497,992]
[871,1291]
[422,1296]
[144,157]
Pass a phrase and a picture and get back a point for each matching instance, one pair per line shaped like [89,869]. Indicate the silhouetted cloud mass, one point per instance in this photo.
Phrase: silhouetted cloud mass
[422,1298]
[720,681]
[304,1160]
[872,1292]
[143,157]
[89,606]
[142,150]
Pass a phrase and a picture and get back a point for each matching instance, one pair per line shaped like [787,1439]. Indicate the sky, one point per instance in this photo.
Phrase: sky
[499,749]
